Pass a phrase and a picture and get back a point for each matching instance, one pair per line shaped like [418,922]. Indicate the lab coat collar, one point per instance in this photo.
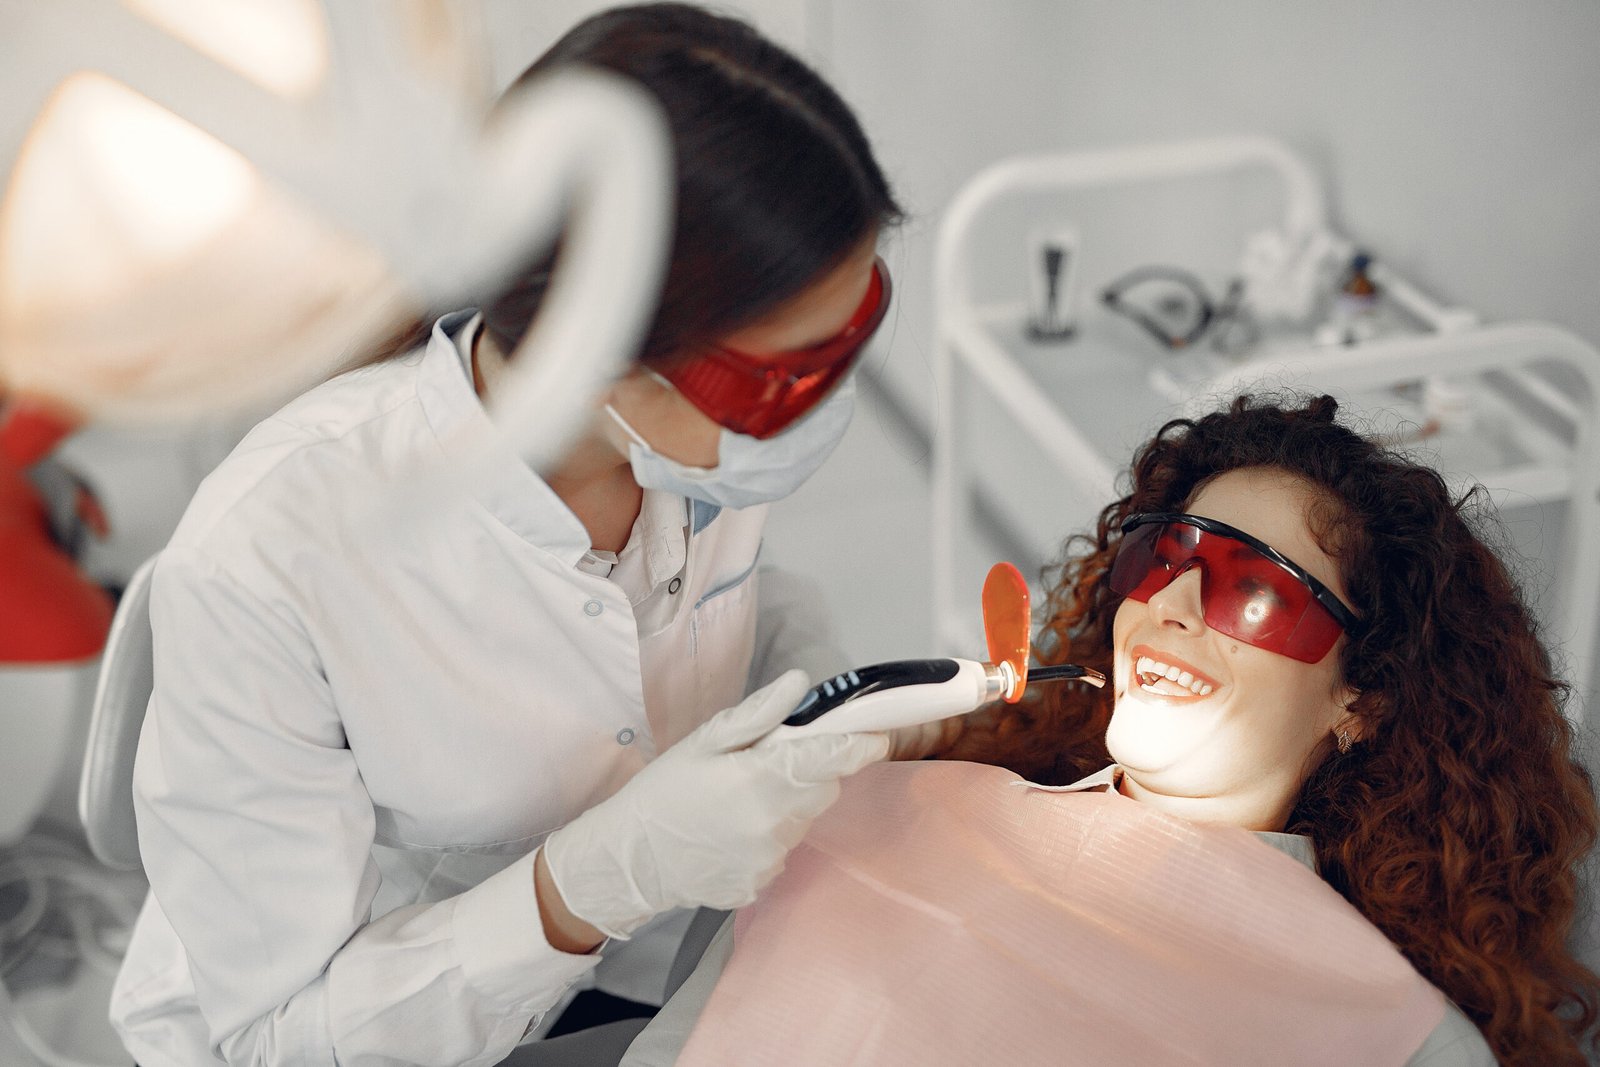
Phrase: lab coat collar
[1295,846]
[662,518]
[513,492]
[701,514]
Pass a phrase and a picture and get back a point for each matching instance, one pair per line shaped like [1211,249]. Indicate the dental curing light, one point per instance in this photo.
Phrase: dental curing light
[886,696]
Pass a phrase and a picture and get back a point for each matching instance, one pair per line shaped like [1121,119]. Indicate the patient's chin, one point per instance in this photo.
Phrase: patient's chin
[1154,736]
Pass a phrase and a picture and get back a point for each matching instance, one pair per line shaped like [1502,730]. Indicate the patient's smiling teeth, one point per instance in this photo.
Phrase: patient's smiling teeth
[1164,678]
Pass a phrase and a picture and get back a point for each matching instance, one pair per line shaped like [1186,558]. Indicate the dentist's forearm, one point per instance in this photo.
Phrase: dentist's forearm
[563,930]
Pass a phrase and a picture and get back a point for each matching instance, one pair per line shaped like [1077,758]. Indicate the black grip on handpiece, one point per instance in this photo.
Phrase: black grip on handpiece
[841,689]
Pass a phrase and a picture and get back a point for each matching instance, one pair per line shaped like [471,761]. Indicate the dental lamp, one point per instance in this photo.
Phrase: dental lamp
[207,204]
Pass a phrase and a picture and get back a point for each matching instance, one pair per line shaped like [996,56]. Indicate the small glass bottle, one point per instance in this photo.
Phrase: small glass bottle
[1355,307]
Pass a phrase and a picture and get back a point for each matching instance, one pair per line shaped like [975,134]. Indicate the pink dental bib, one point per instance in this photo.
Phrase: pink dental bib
[947,913]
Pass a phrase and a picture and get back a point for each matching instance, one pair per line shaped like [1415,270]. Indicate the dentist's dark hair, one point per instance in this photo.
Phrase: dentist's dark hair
[776,183]
[1458,823]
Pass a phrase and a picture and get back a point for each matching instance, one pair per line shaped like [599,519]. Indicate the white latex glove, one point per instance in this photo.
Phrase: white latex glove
[709,822]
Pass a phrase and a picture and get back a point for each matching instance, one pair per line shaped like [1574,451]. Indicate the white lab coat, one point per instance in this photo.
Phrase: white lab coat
[359,736]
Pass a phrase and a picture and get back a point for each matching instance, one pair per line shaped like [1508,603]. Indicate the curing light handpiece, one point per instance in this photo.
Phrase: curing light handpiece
[885,696]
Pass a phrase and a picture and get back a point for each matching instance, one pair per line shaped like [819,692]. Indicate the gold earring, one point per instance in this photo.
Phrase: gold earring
[1342,736]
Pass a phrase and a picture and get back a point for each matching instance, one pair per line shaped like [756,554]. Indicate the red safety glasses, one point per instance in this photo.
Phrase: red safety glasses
[760,396]
[1248,590]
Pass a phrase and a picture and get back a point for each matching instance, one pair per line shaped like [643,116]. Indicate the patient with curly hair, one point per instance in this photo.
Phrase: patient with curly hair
[1328,810]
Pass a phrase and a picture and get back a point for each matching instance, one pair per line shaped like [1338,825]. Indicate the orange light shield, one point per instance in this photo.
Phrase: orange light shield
[1007,624]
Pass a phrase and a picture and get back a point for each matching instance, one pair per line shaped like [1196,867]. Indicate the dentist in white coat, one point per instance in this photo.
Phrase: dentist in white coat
[400,793]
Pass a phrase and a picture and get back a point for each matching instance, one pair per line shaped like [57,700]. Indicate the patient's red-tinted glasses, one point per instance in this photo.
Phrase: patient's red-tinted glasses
[760,396]
[1248,589]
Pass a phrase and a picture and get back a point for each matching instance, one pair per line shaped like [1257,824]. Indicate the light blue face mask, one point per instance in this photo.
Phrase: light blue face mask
[748,471]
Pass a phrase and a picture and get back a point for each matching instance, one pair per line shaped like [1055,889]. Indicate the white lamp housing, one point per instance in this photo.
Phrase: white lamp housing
[211,203]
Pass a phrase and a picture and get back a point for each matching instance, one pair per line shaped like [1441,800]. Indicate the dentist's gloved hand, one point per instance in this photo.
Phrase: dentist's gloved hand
[710,821]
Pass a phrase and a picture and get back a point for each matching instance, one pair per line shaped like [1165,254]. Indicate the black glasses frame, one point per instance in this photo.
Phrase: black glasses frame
[1323,595]
[1235,329]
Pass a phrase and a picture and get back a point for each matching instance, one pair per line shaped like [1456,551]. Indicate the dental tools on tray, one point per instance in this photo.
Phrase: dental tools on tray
[885,696]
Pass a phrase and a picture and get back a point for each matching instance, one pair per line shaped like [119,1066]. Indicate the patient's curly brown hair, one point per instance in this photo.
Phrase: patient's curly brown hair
[1457,825]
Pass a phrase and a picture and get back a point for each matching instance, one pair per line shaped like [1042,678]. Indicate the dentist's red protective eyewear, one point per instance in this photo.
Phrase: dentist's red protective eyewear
[761,396]
[1248,590]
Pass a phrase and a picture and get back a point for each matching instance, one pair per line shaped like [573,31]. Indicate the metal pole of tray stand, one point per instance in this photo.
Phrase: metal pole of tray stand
[1305,211]
[980,355]
[1509,348]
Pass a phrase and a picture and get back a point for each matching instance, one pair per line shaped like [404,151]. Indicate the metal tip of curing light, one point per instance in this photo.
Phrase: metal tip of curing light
[1066,671]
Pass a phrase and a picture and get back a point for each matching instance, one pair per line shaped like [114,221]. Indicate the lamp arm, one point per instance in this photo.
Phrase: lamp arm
[605,144]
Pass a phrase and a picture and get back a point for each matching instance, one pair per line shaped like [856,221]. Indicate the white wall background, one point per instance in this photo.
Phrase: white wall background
[1460,141]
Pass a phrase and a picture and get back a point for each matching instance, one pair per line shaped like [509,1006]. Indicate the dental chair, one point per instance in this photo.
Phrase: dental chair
[604,1046]
[127,675]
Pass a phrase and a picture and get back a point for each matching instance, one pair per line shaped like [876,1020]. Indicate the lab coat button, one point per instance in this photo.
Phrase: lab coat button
[674,585]
[593,607]
[625,736]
